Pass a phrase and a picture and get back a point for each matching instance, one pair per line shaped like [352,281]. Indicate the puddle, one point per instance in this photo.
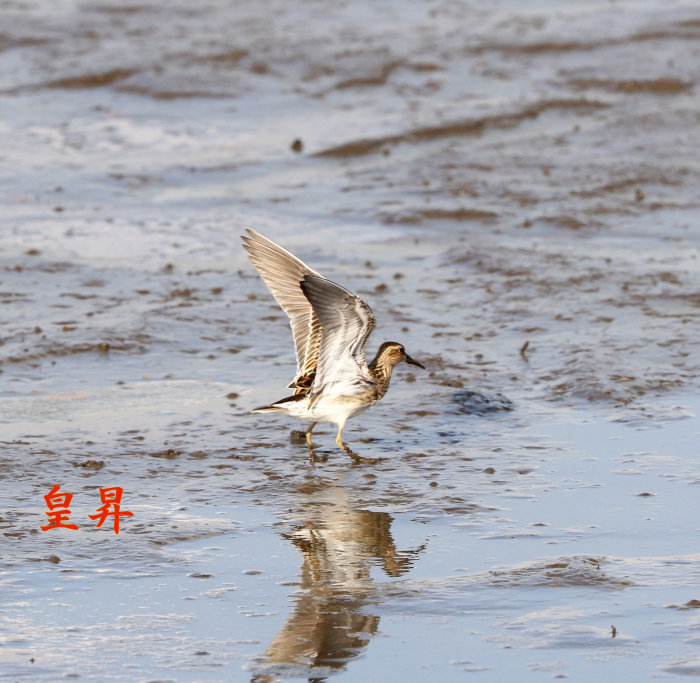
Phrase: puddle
[296,570]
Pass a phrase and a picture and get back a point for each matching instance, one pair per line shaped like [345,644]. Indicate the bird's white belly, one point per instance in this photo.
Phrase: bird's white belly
[334,410]
[329,408]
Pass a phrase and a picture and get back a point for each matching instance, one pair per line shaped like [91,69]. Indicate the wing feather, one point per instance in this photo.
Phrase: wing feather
[283,272]
[346,321]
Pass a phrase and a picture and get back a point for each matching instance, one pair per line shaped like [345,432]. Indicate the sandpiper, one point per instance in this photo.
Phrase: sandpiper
[330,326]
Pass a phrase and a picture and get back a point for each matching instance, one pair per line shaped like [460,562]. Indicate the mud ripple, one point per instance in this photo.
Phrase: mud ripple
[560,572]
[467,127]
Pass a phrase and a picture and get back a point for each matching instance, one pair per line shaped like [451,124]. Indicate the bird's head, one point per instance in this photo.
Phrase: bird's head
[393,353]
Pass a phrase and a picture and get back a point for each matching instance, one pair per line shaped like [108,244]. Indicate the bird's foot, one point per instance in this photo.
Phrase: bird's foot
[313,457]
[358,459]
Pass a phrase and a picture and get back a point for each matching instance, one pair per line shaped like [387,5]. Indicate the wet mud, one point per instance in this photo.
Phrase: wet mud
[512,189]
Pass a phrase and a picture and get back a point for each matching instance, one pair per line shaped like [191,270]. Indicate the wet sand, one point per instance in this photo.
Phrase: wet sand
[512,189]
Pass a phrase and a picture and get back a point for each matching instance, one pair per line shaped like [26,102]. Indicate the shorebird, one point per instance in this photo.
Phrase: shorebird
[330,326]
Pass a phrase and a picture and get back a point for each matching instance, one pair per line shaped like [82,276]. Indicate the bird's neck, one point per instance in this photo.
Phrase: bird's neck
[380,369]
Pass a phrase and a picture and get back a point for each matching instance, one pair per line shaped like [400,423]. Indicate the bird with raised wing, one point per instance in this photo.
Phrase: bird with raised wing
[330,326]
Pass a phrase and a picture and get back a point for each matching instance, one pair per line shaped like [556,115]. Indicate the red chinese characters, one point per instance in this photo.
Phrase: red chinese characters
[58,509]
[59,513]
[111,499]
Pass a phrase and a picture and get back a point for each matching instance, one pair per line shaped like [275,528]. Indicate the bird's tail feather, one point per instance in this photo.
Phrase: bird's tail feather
[266,409]
[275,407]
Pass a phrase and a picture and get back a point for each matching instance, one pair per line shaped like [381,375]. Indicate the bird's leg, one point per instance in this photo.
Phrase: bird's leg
[308,433]
[312,454]
[338,439]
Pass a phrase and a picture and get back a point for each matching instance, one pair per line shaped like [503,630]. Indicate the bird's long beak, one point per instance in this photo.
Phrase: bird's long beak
[414,362]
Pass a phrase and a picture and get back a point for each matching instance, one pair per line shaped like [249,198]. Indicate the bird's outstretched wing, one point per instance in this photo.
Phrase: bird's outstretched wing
[283,273]
[346,321]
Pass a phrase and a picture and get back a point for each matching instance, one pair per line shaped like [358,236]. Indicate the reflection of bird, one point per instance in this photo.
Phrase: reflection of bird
[334,616]
[331,327]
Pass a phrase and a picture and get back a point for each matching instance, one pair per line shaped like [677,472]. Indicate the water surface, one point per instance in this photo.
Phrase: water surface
[512,187]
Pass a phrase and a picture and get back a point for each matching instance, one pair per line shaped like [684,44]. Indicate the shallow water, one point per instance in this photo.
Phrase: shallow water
[513,189]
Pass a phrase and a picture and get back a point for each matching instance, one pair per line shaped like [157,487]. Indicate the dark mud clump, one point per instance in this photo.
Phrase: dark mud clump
[467,402]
